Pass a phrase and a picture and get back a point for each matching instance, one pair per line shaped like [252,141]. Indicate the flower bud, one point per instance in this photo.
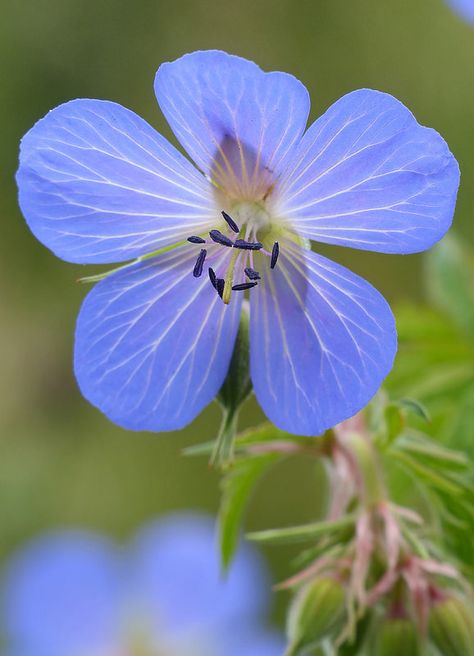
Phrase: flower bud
[394,636]
[317,611]
[451,626]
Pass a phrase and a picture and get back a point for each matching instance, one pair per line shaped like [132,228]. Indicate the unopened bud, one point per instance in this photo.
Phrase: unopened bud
[317,611]
[394,636]
[451,626]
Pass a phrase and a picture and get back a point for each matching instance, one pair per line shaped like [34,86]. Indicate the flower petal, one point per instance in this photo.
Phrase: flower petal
[367,175]
[254,643]
[178,577]
[237,122]
[62,596]
[98,184]
[322,341]
[153,343]
[465,9]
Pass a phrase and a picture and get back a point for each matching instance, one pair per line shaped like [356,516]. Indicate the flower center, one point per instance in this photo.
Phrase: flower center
[240,234]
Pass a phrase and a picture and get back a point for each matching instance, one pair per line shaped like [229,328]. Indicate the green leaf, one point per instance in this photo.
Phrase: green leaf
[237,487]
[251,439]
[303,533]
[432,478]
[420,445]
[450,281]
[416,407]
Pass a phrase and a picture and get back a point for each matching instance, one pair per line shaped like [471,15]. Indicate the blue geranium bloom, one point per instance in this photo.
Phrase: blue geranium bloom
[77,594]
[465,9]
[154,338]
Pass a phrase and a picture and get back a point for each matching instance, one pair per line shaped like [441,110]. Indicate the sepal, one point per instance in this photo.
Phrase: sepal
[318,611]
[451,626]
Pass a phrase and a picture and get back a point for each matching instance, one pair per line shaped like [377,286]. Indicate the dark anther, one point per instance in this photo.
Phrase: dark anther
[243,286]
[230,222]
[219,238]
[220,282]
[275,254]
[248,245]
[212,277]
[199,263]
[252,274]
[196,240]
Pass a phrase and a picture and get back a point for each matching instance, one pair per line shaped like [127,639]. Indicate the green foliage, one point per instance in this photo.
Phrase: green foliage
[435,363]
[316,611]
[236,489]
[449,280]
[451,626]
[395,636]
[305,533]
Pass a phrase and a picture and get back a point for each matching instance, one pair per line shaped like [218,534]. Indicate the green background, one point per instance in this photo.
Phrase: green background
[62,462]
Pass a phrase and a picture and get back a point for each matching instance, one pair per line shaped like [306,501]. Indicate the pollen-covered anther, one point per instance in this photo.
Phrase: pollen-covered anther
[243,286]
[220,283]
[252,274]
[230,222]
[219,238]
[197,271]
[275,254]
[247,245]
[212,277]
[194,239]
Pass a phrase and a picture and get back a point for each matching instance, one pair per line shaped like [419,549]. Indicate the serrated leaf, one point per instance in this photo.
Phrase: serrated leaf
[237,487]
[303,533]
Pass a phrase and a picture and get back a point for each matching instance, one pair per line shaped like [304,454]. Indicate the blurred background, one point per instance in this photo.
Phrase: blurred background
[62,462]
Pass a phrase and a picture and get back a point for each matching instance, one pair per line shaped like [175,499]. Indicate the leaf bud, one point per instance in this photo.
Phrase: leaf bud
[451,626]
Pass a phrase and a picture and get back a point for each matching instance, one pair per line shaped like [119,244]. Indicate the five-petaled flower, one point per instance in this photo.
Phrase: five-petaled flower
[76,593]
[154,338]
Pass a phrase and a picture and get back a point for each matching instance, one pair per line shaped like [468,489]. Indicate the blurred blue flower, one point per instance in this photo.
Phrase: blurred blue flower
[154,340]
[76,594]
[465,9]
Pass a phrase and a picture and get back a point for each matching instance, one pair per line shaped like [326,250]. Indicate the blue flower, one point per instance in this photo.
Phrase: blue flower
[465,9]
[154,338]
[77,594]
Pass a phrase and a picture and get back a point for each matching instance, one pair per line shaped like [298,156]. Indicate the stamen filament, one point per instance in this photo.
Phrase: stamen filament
[228,278]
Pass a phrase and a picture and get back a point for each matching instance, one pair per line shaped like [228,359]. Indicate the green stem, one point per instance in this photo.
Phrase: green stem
[223,452]
[364,453]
